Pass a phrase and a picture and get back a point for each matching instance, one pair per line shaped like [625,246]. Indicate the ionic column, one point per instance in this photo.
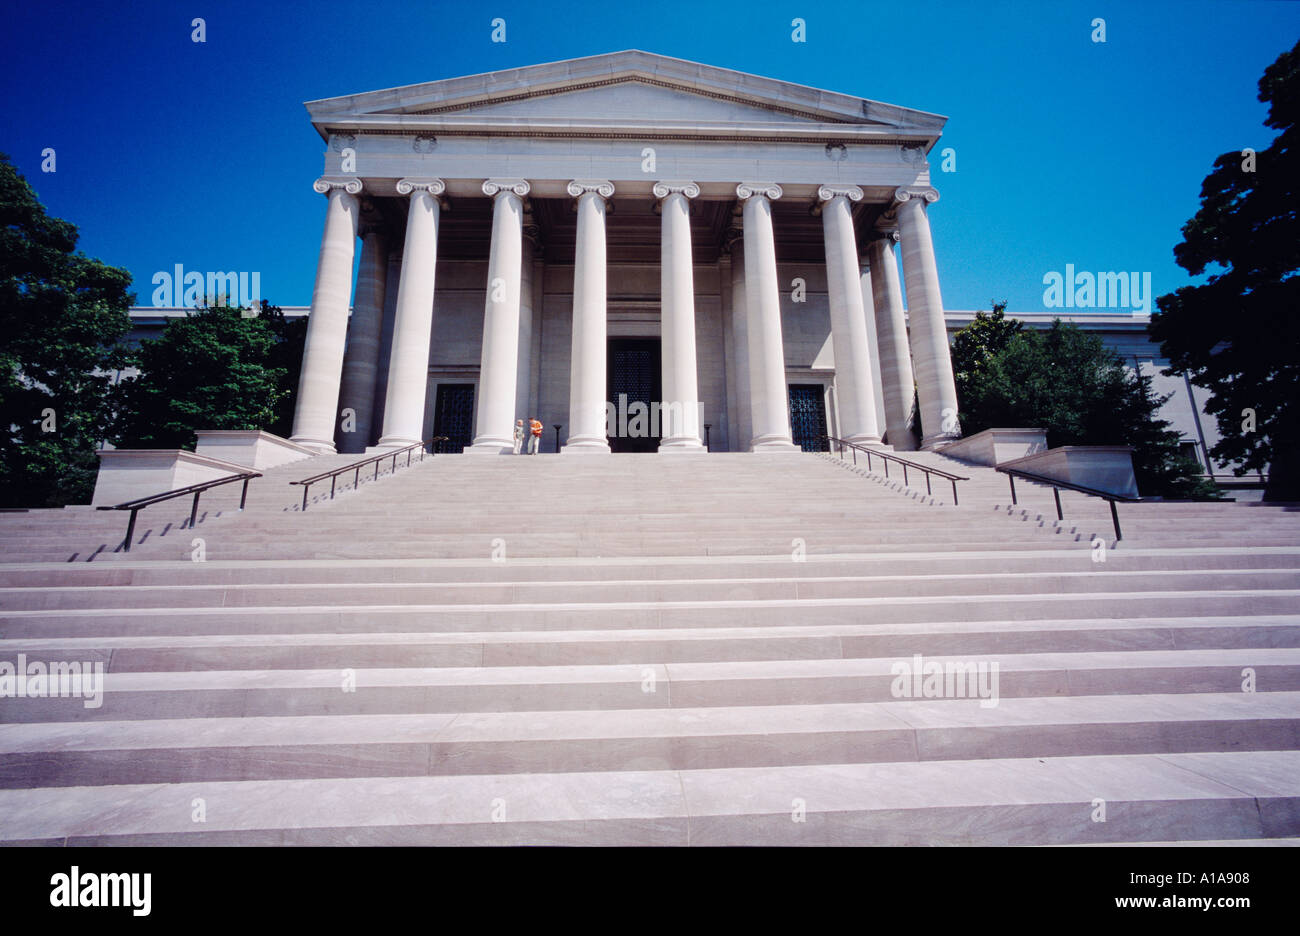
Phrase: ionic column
[529,322]
[680,405]
[891,336]
[499,369]
[327,325]
[587,364]
[361,360]
[769,403]
[408,368]
[930,355]
[848,316]
[744,430]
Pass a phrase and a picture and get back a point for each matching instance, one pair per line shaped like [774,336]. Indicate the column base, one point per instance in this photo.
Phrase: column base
[774,445]
[865,440]
[587,446]
[688,446]
[930,443]
[320,446]
[386,445]
[493,447]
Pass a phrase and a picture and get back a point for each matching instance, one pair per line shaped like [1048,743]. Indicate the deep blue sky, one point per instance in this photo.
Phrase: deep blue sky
[1067,151]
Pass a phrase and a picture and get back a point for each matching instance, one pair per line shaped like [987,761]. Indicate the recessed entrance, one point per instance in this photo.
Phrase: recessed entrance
[634,372]
[808,417]
[453,416]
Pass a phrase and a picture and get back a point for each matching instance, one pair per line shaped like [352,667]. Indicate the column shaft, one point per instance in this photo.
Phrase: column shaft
[895,356]
[361,360]
[327,326]
[408,368]
[680,422]
[930,354]
[499,369]
[769,403]
[744,429]
[848,321]
[587,364]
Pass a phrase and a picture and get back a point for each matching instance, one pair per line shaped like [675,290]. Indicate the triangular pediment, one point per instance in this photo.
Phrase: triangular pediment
[629,99]
[618,88]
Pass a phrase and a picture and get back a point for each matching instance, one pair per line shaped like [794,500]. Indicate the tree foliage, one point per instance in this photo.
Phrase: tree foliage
[1238,333]
[974,346]
[216,368]
[62,315]
[1066,381]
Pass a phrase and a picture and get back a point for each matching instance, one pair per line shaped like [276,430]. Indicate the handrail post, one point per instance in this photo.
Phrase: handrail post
[885,459]
[931,493]
[1056,492]
[130,530]
[855,455]
[194,509]
[333,478]
[243,496]
[954,491]
[356,478]
[1012,479]
[1114,518]
[905,482]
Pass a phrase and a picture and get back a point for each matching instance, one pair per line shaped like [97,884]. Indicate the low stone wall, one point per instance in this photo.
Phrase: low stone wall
[128,474]
[1104,467]
[251,448]
[995,446]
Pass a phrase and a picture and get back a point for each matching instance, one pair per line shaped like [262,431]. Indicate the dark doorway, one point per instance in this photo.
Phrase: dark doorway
[808,417]
[633,368]
[453,416]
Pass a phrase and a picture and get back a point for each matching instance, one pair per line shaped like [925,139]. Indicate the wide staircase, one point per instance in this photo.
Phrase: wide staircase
[643,649]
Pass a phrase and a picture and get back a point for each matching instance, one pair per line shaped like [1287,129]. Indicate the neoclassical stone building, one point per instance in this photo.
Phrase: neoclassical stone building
[618,229]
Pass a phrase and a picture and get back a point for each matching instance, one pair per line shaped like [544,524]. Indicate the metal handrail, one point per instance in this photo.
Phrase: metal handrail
[357,466]
[887,457]
[135,506]
[1108,496]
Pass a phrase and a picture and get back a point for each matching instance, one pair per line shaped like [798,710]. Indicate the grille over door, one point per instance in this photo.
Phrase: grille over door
[808,417]
[453,416]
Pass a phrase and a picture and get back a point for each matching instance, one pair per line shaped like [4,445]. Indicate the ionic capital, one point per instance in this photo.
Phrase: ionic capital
[905,194]
[664,189]
[325,185]
[852,192]
[519,187]
[602,187]
[434,187]
[769,190]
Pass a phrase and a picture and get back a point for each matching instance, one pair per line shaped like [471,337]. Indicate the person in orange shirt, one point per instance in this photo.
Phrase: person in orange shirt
[535,427]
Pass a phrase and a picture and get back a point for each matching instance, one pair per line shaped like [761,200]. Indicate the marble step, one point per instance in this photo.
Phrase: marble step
[185,652]
[242,693]
[376,571]
[1010,801]
[219,749]
[612,616]
[1096,578]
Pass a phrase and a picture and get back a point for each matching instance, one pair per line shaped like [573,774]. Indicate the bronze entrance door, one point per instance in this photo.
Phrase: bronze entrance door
[808,417]
[453,416]
[633,374]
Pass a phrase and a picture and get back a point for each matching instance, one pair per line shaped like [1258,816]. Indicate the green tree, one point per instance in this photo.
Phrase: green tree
[976,344]
[1238,334]
[62,315]
[216,368]
[1069,383]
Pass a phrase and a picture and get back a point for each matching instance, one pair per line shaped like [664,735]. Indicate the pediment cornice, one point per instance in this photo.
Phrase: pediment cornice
[472,104]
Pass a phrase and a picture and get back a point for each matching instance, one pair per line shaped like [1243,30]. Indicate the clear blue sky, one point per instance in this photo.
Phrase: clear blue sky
[1068,151]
